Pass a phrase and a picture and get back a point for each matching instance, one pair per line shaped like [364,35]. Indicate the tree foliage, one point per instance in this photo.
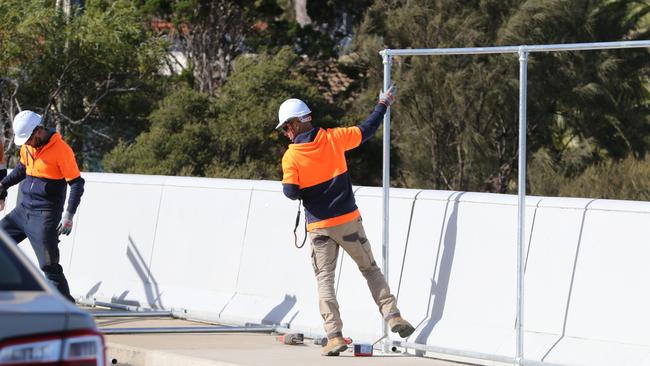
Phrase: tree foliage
[89,74]
[464,109]
[97,75]
[178,142]
[229,136]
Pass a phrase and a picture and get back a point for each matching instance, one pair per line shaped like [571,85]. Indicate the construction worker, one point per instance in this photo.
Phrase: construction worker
[47,165]
[315,171]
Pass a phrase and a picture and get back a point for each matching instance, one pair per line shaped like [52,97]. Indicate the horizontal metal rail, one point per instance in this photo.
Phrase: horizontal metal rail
[516,49]
[132,314]
[112,305]
[467,354]
[215,329]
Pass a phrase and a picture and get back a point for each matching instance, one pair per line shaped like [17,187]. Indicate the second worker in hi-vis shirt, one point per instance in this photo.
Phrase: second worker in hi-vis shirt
[315,170]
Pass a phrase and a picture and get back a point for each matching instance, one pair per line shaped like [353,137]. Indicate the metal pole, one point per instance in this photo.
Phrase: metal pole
[112,305]
[386,181]
[186,330]
[132,314]
[521,205]
[517,49]
[467,354]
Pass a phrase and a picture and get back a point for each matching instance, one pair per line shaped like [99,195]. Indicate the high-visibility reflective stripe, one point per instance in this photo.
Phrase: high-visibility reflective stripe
[334,221]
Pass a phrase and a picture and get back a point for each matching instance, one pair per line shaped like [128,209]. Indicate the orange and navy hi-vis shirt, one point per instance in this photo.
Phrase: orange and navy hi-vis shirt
[315,170]
[45,173]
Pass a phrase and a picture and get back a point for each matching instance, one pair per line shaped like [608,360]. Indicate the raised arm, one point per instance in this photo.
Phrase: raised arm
[372,123]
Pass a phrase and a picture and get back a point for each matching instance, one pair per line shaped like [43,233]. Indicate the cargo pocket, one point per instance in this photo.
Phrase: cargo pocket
[365,245]
[313,259]
[316,240]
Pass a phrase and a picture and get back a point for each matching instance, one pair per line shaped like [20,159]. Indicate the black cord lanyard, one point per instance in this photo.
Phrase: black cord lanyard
[295,236]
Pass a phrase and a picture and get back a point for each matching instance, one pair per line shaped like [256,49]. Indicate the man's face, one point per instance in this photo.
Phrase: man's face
[289,129]
[38,137]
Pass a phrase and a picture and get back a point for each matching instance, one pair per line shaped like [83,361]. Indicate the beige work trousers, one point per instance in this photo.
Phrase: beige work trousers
[325,243]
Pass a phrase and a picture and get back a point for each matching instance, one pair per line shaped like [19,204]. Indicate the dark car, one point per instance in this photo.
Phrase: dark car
[37,325]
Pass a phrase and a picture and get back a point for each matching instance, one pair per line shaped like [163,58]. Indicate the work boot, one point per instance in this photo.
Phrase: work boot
[397,324]
[334,346]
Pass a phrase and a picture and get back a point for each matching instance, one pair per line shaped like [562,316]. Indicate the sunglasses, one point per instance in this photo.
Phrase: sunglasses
[285,127]
[31,137]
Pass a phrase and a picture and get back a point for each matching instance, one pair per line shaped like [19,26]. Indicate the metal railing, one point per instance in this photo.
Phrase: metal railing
[523,52]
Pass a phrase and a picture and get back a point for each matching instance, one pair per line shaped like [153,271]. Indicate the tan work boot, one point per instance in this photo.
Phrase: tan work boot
[334,346]
[399,325]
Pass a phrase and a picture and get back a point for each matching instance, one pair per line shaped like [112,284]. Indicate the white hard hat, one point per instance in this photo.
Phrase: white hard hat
[292,108]
[24,124]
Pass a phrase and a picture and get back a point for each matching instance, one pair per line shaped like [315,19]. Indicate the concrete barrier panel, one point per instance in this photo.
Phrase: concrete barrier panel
[275,282]
[225,248]
[474,295]
[589,352]
[609,297]
[199,236]
[552,244]
[114,239]
[416,293]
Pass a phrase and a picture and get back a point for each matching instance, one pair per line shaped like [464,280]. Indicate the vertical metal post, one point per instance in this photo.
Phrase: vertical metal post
[521,206]
[386,181]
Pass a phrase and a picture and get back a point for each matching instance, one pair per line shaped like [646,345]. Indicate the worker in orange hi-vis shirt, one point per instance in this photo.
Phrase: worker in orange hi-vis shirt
[47,166]
[315,171]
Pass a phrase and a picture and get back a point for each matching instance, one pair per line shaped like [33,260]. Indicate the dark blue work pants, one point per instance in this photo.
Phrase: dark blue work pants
[40,228]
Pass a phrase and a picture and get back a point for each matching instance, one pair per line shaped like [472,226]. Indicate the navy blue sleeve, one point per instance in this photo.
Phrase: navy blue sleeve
[76,191]
[370,125]
[16,176]
[3,192]
[291,190]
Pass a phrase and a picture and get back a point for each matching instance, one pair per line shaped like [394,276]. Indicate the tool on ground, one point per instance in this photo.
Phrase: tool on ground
[322,341]
[363,349]
[291,338]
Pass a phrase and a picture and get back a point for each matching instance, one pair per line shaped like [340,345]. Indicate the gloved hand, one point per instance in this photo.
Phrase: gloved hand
[65,225]
[388,97]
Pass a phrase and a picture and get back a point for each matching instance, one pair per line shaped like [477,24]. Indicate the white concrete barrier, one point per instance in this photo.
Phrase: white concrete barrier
[225,248]
[113,238]
[198,242]
[607,321]
[275,280]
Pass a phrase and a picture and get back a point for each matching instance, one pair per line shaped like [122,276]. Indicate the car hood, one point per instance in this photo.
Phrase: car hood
[36,312]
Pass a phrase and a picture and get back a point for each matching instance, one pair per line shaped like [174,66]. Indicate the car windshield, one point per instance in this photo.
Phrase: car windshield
[13,274]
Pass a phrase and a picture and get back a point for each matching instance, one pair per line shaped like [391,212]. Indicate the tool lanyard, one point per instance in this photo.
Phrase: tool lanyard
[295,236]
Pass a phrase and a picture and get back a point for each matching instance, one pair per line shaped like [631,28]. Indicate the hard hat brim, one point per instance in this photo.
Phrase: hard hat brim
[20,141]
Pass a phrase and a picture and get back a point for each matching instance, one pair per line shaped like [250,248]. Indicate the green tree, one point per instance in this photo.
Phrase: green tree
[456,120]
[628,179]
[229,136]
[211,34]
[586,106]
[248,144]
[453,120]
[178,142]
[93,75]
